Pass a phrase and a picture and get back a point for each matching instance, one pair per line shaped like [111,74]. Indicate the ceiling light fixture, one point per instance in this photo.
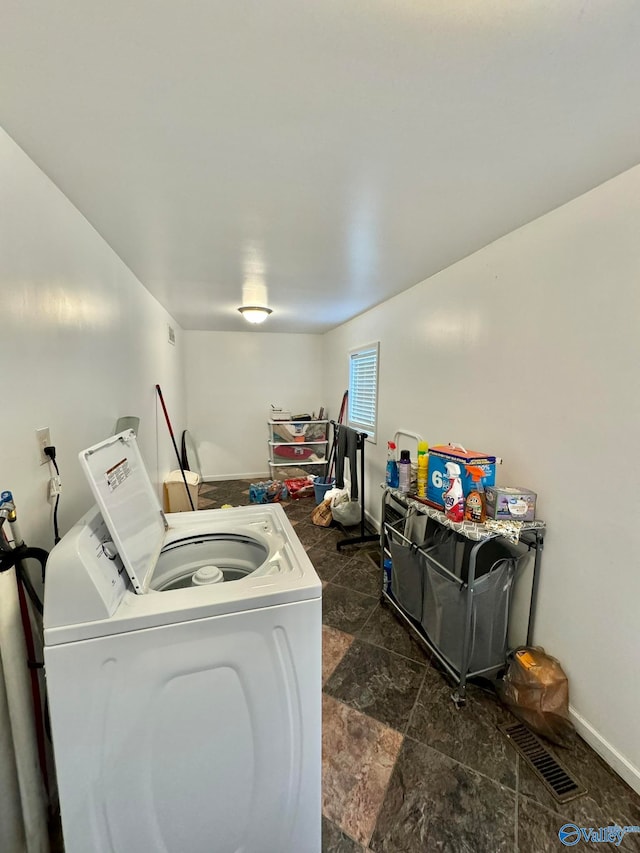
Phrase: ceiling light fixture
[254,313]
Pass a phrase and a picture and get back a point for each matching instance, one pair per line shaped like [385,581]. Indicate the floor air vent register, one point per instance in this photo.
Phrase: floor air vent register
[556,779]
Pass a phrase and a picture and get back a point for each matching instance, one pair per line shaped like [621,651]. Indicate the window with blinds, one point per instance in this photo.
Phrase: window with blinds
[363,389]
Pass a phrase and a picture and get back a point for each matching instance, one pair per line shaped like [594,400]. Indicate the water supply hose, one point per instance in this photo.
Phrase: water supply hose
[14,557]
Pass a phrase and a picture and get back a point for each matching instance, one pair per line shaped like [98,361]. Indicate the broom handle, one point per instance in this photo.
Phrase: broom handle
[332,452]
[175,447]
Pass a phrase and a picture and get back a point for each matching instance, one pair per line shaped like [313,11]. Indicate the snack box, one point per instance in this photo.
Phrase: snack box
[506,502]
[438,480]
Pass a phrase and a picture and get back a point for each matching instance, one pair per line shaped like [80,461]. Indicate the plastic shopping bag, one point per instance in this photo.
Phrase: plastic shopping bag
[347,513]
[337,496]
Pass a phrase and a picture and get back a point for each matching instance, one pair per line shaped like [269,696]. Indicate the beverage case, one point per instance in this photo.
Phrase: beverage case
[438,481]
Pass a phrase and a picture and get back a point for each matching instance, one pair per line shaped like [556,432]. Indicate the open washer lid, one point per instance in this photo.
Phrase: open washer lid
[129,506]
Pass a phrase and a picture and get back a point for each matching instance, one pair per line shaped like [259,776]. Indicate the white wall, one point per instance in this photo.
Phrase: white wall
[529,349]
[232,380]
[83,343]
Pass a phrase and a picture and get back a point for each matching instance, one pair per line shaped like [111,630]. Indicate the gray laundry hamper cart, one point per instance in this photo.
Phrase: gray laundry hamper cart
[409,566]
[444,614]
[466,576]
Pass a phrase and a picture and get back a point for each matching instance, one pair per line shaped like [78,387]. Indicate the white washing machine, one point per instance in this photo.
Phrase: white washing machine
[183,665]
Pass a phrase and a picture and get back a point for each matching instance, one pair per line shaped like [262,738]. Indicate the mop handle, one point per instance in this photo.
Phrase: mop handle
[175,447]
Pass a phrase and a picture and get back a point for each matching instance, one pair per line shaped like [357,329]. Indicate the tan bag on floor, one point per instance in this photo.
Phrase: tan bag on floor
[536,689]
[321,516]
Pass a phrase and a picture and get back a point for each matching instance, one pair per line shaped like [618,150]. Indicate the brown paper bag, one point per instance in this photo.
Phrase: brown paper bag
[536,690]
[321,516]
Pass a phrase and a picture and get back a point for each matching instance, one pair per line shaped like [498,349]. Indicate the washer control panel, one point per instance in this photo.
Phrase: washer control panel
[103,562]
[90,576]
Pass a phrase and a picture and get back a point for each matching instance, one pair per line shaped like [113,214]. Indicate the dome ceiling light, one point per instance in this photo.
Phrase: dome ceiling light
[254,313]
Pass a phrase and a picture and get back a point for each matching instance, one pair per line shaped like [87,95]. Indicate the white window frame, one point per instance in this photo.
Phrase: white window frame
[364,357]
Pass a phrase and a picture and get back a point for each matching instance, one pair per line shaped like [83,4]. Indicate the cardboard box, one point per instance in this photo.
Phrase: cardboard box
[438,481]
[514,503]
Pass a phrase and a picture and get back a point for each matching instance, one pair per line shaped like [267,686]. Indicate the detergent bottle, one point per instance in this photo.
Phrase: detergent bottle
[475,506]
[391,477]
[423,463]
[454,496]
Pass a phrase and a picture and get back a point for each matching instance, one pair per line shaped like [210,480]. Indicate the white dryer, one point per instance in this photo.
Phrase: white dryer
[183,665]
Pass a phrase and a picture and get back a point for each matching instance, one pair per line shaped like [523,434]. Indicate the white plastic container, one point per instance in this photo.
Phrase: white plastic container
[175,494]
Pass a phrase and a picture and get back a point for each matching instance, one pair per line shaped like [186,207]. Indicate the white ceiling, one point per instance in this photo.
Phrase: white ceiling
[333,152]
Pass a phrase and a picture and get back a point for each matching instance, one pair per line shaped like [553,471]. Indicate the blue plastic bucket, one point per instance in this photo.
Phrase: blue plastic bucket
[321,486]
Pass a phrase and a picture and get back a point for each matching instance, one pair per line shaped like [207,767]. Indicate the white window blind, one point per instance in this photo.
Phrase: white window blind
[363,389]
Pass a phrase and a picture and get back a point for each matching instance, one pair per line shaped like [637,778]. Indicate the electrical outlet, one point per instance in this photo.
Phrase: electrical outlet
[44,440]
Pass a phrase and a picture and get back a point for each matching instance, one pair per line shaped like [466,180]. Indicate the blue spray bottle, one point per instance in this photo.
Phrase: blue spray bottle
[391,478]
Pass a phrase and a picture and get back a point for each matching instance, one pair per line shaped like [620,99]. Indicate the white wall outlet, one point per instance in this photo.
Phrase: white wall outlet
[44,440]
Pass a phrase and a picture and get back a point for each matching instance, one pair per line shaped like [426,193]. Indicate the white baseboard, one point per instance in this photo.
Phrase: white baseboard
[372,521]
[606,751]
[215,478]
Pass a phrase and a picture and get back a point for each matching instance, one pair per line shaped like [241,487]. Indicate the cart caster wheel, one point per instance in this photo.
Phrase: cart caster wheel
[458,701]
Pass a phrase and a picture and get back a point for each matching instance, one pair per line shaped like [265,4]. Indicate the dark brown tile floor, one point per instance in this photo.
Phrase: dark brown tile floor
[404,771]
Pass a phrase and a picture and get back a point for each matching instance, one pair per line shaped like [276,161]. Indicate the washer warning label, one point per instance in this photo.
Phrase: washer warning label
[116,475]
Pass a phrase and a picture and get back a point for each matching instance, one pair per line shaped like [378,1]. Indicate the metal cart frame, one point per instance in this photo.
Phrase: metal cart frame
[531,535]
